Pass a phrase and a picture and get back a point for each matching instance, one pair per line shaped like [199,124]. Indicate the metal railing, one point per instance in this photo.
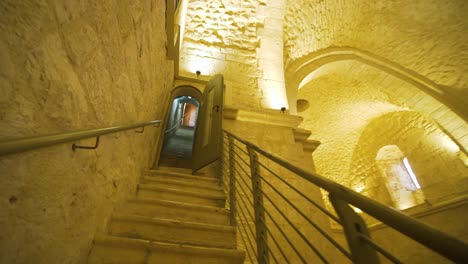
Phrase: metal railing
[11,146]
[177,124]
[277,209]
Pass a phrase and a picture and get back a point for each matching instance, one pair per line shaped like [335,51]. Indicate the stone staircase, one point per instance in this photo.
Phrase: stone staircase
[175,218]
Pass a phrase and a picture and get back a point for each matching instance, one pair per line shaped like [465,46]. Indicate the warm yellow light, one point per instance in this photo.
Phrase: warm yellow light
[274,94]
[206,66]
[276,99]
[449,144]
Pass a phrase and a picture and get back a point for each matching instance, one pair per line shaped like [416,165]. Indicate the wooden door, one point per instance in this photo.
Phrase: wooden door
[207,145]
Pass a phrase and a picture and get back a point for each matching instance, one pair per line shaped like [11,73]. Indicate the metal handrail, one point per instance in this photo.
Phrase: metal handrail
[11,146]
[448,246]
[328,237]
[177,124]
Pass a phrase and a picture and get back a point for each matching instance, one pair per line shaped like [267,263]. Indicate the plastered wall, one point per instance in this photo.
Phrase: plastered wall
[69,65]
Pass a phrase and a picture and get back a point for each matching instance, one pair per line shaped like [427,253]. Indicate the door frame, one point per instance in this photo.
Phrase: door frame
[181,90]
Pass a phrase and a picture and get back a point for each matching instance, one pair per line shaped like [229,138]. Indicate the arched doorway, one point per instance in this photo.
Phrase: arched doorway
[180,127]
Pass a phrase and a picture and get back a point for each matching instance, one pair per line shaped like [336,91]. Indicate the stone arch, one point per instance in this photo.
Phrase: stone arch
[449,111]
[186,90]
[178,91]
[432,154]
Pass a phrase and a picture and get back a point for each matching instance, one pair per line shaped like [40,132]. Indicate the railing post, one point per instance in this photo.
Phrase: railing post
[232,191]
[260,227]
[353,227]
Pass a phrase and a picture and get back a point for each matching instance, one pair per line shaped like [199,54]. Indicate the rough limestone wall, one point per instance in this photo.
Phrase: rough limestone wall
[353,118]
[425,36]
[431,154]
[221,37]
[69,65]
[339,108]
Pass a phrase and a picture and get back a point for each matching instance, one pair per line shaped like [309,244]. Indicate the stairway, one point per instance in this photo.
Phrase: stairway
[174,218]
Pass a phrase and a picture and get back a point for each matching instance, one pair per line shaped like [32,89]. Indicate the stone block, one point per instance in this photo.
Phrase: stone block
[276,3]
[273,23]
[274,12]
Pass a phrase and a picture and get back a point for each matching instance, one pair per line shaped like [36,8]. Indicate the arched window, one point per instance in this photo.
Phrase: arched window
[400,179]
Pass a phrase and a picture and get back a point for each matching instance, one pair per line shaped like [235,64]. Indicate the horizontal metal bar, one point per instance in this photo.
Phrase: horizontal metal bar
[245,183]
[246,233]
[329,238]
[446,245]
[265,258]
[11,146]
[245,152]
[324,260]
[303,195]
[283,234]
[242,168]
[382,251]
[245,205]
[244,161]
[277,244]
[248,252]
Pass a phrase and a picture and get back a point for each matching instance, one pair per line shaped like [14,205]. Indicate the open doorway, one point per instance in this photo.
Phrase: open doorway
[179,134]
[193,126]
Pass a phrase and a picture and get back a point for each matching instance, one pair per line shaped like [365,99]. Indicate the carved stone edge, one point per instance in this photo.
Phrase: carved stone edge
[268,117]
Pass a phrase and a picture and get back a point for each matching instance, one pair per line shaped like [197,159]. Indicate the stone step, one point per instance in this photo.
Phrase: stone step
[176,211]
[118,250]
[172,231]
[146,191]
[203,187]
[173,169]
[180,176]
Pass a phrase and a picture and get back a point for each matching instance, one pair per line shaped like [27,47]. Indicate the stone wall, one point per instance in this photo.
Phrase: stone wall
[69,65]
[354,114]
[342,110]
[221,37]
[279,139]
[425,36]
[432,155]
[424,48]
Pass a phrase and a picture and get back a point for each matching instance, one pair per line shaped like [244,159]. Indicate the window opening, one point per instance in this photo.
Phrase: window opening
[399,177]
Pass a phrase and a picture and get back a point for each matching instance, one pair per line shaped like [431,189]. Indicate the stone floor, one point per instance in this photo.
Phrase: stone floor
[177,149]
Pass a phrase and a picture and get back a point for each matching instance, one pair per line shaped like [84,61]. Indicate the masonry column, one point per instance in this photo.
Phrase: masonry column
[270,54]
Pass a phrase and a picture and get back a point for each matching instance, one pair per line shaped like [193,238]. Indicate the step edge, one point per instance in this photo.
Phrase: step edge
[172,223]
[170,173]
[188,193]
[122,242]
[195,207]
[178,182]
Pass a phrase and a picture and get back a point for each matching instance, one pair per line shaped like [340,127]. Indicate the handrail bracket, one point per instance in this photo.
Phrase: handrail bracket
[96,145]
